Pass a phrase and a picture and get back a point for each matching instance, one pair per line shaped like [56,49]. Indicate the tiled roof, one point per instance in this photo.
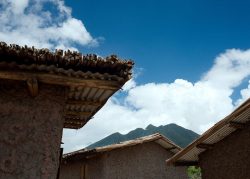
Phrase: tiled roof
[238,119]
[157,138]
[65,62]
[90,79]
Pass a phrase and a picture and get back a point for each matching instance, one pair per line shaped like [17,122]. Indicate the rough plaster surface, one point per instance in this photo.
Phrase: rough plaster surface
[144,161]
[229,159]
[30,131]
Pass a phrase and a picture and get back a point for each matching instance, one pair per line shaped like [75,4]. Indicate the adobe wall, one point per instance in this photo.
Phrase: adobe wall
[229,159]
[87,169]
[71,171]
[145,161]
[30,131]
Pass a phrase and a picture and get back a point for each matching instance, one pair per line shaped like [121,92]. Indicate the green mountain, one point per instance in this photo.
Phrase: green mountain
[175,133]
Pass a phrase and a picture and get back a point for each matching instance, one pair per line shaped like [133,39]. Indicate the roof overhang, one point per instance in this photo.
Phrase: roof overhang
[88,153]
[237,120]
[88,80]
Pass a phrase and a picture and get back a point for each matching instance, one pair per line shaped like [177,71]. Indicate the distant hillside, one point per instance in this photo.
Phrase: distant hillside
[177,134]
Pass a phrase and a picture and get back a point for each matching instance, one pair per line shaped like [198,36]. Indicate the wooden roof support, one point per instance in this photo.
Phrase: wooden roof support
[186,163]
[77,113]
[79,102]
[73,126]
[75,123]
[61,80]
[77,77]
[205,146]
[236,125]
[171,148]
[32,86]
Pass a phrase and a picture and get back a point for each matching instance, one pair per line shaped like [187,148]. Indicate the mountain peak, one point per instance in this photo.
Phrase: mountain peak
[175,133]
[172,124]
[150,126]
[117,133]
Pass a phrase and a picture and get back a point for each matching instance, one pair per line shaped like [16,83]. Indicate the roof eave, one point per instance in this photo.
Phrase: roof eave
[175,159]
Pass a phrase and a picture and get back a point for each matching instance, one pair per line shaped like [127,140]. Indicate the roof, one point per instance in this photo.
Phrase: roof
[157,138]
[234,121]
[90,80]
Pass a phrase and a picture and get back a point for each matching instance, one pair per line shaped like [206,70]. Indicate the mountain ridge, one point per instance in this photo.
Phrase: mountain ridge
[179,135]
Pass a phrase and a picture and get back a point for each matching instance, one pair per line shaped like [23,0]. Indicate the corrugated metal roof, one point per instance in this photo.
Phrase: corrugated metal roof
[157,138]
[89,80]
[218,132]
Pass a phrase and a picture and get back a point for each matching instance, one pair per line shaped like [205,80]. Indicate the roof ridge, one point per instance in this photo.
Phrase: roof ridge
[140,140]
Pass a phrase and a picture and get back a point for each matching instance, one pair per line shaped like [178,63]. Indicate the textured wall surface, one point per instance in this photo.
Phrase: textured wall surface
[30,131]
[229,159]
[145,161]
[71,171]
[90,169]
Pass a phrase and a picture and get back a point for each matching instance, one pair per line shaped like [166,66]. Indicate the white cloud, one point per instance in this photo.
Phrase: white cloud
[26,22]
[196,106]
[244,95]
[230,69]
[129,85]
[18,6]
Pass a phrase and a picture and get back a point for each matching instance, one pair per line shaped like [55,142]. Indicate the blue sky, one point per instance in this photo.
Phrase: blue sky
[168,39]
[192,57]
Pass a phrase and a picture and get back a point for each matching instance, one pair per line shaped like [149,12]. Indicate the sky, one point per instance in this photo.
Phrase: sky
[192,57]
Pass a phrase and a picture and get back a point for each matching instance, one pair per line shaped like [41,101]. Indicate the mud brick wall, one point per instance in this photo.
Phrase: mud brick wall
[30,131]
[229,158]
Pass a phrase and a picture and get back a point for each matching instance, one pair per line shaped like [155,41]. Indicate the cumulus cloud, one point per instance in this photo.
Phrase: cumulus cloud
[196,105]
[129,85]
[244,95]
[28,22]
[229,69]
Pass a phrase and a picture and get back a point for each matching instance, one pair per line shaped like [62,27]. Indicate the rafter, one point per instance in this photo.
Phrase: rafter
[32,86]
[171,148]
[79,102]
[236,125]
[205,146]
[186,163]
[77,113]
[60,80]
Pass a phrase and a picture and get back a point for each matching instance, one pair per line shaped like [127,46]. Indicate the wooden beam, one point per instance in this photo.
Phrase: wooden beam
[32,86]
[171,148]
[55,79]
[60,160]
[77,113]
[186,163]
[74,123]
[78,102]
[82,171]
[205,146]
[73,126]
[86,171]
[237,125]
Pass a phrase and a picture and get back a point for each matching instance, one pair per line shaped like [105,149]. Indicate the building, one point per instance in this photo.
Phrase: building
[142,158]
[42,92]
[224,150]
